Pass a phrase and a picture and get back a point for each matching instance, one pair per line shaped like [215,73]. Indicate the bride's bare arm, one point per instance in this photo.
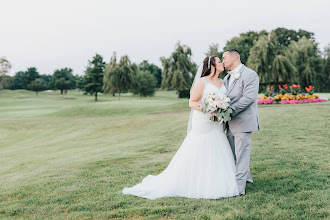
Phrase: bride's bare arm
[196,95]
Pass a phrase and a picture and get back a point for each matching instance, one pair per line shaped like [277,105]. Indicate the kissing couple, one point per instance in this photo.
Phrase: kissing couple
[213,160]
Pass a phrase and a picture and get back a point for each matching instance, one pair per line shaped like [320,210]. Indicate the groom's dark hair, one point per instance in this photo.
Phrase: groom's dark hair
[234,51]
[231,50]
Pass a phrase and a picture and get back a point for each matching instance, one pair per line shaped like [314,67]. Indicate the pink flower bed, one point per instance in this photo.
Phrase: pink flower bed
[301,101]
[270,101]
[260,102]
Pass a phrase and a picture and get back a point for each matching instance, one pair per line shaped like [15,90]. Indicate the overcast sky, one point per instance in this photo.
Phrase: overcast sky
[67,33]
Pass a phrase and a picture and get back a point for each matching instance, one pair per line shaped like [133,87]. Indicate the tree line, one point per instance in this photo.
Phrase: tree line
[281,56]
[114,78]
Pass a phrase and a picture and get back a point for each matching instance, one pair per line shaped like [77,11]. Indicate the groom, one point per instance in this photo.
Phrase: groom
[242,85]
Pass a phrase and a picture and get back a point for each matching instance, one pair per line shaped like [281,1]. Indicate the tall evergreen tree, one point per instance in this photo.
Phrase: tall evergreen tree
[93,80]
[79,82]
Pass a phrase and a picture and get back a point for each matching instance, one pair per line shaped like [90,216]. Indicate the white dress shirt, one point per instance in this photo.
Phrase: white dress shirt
[232,78]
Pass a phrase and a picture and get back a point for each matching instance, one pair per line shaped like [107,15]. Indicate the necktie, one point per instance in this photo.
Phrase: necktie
[230,80]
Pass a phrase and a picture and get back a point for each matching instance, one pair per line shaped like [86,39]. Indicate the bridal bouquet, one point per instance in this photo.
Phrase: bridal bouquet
[218,105]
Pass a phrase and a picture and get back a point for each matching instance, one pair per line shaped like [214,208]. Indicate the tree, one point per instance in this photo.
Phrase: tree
[324,81]
[62,84]
[93,80]
[271,61]
[118,77]
[47,80]
[79,82]
[214,51]
[244,43]
[307,59]
[110,73]
[262,55]
[37,85]
[6,82]
[285,36]
[178,69]
[154,70]
[30,75]
[5,66]
[66,74]
[145,84]
[283,71]
[281,56]
[17,82]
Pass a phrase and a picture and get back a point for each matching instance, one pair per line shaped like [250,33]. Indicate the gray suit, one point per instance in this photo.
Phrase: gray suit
[243,94]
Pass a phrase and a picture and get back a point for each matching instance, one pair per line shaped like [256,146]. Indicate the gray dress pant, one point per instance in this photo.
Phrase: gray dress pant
[240,143]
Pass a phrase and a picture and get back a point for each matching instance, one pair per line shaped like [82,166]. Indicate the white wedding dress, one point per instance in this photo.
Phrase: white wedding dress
[203,167]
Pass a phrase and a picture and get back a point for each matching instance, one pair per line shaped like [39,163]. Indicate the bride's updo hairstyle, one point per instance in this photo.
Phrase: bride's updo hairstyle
[207,63]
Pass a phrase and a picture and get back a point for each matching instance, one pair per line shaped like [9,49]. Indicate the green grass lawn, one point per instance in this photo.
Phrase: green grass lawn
[68,157]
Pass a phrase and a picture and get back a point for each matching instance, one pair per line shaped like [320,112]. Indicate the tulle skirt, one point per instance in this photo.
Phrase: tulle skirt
[203,167]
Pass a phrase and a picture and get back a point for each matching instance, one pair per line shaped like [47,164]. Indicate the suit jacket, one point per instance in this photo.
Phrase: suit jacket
[243,94]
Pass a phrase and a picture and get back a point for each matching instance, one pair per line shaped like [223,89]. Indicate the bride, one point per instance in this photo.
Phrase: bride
[204,166]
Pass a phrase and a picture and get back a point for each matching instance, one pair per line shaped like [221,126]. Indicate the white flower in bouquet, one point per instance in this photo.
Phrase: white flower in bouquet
[218,105]
[222,97]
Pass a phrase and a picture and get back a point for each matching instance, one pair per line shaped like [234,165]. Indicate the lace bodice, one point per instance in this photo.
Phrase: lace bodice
[210,87]
[199,121]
